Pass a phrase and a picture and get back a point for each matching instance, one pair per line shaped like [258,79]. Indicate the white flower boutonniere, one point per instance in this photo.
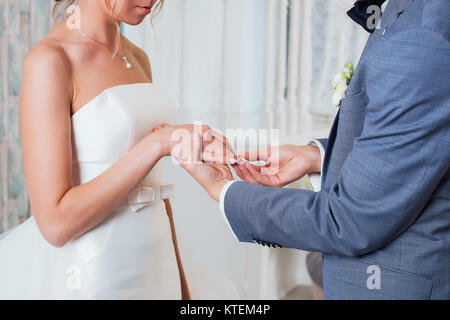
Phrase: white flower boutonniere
[341,82]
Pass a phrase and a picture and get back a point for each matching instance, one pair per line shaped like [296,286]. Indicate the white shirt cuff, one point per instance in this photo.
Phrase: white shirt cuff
[316,178]
[222,205]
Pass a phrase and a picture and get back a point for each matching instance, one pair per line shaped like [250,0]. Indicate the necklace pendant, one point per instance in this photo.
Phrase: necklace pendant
[127,64]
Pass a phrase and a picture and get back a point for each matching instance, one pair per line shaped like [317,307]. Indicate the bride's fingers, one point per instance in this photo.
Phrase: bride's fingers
[219,158]
[211,148]
[191,151]
[215,137]
[209,157]
[219,153]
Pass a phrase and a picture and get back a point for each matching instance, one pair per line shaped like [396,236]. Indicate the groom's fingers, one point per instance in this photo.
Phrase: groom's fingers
[254,172]
[243,173]
[262,155]
[238,171]
[257,175]
[246,175]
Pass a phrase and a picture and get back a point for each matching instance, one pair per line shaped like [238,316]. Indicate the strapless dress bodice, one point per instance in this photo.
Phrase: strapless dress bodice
[108,126]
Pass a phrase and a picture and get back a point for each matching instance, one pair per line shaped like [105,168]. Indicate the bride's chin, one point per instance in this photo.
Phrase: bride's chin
[134,21]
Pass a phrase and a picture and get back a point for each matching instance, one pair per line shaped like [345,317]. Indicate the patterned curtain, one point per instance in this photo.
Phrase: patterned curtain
[335,40]
[23,23]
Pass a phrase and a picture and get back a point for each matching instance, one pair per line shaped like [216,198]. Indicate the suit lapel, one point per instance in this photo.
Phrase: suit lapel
[390,15]
[393,10]
[330,145]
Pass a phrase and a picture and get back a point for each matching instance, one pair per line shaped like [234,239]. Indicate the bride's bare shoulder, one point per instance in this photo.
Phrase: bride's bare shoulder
[48,57]
[47,68]
[48,54]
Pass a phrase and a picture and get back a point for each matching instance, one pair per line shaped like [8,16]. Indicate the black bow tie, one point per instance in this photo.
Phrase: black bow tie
[359,12]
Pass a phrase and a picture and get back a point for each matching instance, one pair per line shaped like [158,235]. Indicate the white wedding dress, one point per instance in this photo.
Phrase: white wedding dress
[130,255]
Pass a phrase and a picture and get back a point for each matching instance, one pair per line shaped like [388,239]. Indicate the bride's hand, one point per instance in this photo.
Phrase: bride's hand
[171,138]
[216,149]
[178,142]
[163,138]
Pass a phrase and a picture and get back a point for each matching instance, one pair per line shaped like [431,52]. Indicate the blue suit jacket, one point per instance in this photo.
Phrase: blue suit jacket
[384,208]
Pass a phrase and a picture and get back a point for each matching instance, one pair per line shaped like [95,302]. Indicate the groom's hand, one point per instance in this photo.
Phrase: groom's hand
[212,177]
[284,165]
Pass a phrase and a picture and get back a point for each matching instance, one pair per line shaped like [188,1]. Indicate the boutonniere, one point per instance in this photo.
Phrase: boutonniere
[341,82]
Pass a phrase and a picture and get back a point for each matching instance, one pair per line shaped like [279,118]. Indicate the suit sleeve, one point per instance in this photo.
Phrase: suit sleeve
[391,172]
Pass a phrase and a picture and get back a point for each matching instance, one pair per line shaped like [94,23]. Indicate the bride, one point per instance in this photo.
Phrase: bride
[102,227]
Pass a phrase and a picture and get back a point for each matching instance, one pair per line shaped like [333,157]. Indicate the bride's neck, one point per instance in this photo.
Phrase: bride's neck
[97,21]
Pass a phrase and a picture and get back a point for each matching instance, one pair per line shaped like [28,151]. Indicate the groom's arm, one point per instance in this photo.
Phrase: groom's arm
[315,178]
[388,177]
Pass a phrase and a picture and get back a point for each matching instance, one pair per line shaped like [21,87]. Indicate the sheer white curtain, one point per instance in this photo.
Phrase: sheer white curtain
[206,54]
[247,64]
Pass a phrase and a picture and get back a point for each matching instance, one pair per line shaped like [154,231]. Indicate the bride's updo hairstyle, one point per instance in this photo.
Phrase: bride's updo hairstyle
[60,7]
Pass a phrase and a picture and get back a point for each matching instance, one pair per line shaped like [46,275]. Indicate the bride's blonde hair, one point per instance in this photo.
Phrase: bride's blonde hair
[60,8]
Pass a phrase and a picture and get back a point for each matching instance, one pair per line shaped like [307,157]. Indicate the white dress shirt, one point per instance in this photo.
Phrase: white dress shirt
[315,178]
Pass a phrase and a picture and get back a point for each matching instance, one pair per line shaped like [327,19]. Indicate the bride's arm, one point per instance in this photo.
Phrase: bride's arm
[63,212]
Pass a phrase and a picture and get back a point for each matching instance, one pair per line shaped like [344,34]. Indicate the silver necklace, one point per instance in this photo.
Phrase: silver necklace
[128,65]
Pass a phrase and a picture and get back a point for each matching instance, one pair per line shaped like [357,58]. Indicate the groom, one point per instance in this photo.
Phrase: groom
[382,216]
